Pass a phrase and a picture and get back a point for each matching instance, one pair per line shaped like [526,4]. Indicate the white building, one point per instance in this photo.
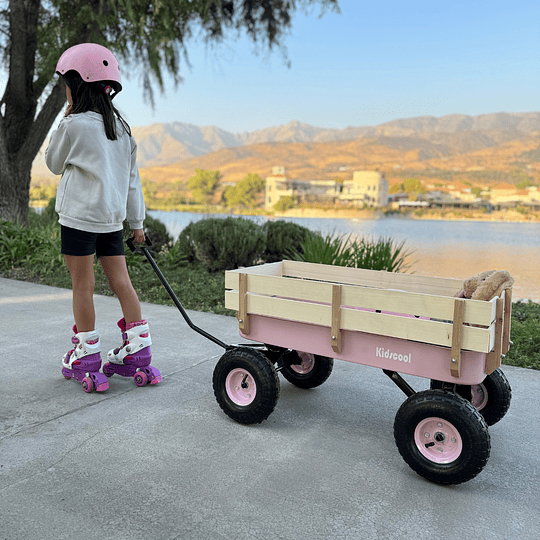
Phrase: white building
[366,188]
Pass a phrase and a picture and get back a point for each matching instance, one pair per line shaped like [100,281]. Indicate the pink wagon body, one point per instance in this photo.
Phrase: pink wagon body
[398,322]
[399,355]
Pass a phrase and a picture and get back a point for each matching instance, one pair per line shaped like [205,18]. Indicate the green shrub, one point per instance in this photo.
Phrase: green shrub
[324,249]
[36,248]
[185,245]
[381,254]
[223,244]
[525,350]
[283,238]
[157,232]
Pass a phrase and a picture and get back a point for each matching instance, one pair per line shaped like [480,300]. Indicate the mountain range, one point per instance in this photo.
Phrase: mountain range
[178,148]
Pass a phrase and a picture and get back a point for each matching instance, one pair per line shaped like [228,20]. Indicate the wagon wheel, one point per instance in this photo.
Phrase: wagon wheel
[246,385]
[442,437]
[491,397]
[311,372]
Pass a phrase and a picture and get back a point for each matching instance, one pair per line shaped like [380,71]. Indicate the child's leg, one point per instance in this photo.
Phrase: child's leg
[133,358]
[83,282]
[116,271]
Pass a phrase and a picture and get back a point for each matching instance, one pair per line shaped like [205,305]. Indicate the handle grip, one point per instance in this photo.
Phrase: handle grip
[131,243]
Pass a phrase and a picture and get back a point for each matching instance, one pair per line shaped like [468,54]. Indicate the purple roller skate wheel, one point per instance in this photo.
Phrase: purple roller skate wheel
[140,378]
[88,384]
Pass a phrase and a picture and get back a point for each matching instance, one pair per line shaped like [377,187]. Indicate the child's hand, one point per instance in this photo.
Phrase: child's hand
[68,110]
[138,236]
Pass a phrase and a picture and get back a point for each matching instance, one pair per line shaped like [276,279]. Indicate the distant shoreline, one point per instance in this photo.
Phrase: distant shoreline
[509,216]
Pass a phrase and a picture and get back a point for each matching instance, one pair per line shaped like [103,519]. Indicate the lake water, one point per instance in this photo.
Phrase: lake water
[457,249]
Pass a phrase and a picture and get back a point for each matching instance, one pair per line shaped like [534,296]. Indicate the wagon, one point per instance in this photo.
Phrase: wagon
[302,316]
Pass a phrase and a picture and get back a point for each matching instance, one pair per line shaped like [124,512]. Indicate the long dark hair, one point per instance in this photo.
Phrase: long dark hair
[93,96]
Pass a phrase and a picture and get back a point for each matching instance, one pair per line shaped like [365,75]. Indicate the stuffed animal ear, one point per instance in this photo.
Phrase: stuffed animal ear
[470,285]
[492,284]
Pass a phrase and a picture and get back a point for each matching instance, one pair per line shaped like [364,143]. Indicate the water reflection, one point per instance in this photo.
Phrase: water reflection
[457,249]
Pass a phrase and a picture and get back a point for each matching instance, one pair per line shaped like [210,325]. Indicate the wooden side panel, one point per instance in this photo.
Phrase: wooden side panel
[421,305]
[410,328]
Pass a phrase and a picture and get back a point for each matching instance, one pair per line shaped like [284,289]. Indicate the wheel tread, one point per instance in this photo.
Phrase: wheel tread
[266,379]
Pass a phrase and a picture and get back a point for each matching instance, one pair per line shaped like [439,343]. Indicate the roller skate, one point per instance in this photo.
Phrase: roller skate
[83,362]
[133,358]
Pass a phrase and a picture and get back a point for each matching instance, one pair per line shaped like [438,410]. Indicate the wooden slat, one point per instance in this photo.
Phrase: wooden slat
[493,360]
[242,313]
[421,305]
[372,278]
[427,331]
[336,319]
[507,320]
[457,336]
[270,269]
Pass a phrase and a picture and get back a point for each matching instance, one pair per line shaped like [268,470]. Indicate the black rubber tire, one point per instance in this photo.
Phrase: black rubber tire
[321,370]
[266,380]
[499,395]
[449,407]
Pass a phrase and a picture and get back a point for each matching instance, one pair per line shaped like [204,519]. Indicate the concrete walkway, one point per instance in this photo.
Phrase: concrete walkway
[164,462]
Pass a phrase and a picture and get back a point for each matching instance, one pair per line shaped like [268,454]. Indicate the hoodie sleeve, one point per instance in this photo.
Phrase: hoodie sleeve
[135,204]
[58,149]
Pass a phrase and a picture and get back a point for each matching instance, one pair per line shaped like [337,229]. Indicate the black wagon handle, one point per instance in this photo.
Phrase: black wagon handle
[131,244]
[165,283]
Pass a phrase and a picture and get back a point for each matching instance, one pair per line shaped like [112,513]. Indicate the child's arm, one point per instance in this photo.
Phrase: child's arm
[58,149]
[135,211]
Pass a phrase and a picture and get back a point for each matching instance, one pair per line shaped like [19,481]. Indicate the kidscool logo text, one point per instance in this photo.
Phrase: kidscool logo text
[380,352]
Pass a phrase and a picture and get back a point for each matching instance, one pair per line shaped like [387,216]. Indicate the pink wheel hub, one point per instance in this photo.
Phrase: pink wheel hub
[240,387]
[479,396]
[308,361]
[438,440]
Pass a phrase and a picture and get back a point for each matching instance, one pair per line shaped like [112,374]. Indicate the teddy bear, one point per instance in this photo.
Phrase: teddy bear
[486,285]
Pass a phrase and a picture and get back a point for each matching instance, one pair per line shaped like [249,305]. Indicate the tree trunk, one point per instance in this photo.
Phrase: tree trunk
[16,161]
[22,131]
[14,187]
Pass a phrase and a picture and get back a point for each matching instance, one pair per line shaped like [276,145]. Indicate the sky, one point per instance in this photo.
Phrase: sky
[372,63]
[375,62]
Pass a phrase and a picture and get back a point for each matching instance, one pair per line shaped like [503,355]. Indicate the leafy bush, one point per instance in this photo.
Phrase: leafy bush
[381,254]
[223,244]
[283,238]
[525,350]
[157,232]
[325,249]
[36,248]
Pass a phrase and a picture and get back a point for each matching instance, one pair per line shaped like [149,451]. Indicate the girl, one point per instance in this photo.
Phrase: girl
[96,155]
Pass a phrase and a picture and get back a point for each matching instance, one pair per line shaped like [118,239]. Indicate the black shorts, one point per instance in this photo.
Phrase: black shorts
[81,243]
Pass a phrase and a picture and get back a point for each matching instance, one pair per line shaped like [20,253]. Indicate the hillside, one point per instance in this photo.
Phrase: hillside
[500,142]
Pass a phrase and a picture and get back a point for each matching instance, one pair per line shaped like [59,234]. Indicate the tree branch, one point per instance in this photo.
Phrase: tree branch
[43,123]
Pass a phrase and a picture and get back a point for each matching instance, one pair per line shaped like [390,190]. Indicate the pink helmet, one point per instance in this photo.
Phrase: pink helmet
[92,62]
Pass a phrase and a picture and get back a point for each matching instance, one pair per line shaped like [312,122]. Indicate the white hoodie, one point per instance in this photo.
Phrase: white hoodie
[100,184]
